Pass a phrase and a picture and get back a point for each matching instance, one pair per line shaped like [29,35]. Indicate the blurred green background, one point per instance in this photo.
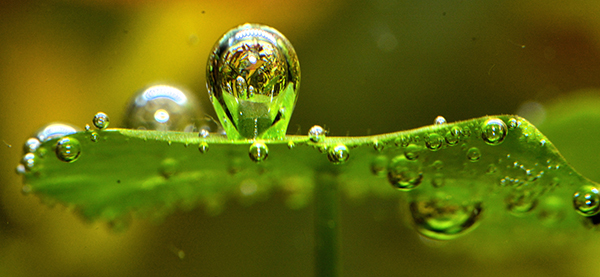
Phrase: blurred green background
[368,67]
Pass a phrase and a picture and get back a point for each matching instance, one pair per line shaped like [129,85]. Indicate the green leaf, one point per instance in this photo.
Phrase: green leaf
[451,174]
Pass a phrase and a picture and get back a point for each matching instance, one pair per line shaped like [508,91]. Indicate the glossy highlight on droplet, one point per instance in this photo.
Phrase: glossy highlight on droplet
[439,120]
[55,130]
[316,133]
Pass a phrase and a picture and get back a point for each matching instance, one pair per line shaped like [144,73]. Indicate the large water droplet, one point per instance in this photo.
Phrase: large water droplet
[493,131]
[404,174]
[252,73]
[316,133]
[55,130]
[163,108]
[587,201]
[442,219]
[68,149]
[338,154]
[258,151]
[473,154]
[101,120]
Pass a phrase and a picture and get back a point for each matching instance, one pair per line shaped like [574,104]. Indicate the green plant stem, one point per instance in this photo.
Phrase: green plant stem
[326,224]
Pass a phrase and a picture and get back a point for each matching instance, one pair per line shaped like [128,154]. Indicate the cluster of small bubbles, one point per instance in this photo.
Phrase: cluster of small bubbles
[101,120]
[163,108]
[291,145]
[378,145]
[404,174]
[439,218]
[494,131]
[511,182]
[473,154]
[338,154]
[402,141]
[379,165]
[439,120]
[412,151]
[521,202]
[68,149]
[587,201]
[258,151]
[316,133]
[513,123]
[55,130]
[203,133]
[453,136]
[203,147]
[434,141]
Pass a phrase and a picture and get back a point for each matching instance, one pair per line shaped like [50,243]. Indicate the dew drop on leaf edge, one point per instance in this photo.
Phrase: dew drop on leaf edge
[258,151]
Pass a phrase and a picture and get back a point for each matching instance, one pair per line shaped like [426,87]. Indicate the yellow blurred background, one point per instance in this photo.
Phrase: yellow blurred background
[368,67]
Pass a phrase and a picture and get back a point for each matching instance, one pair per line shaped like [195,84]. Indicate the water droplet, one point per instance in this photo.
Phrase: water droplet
[412,151]
[441,219]
[453,136]
[587,201]
[493,131]
[521,202]
[68,149]
[378,146]
[203,147]
[253,72]
[20,169]
[55,130]
[473,154]
[291,145]
[404,174]
[168,167]
[513,123]
[203,133]
[338,154]
[439,120]
[316,133]
[434,141]
[379,166]
[94,137]
[163,108]
[258,151]
[101,120]
[402,141]
[31,145]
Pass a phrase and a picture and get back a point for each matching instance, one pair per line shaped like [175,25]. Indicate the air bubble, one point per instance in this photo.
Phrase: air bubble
[316,133]
[163,108]
[94,137]
[203,133]
[379,166]
[20,169]
[402,141]
[493,131]
[28,161]
[473,154]
[258,152]
[68,149]
[404,174]
[520,203]
[434,142]
[31,145]
[453,136]
[412,151]
[513,123]
[101,120]
[587,201]
[55,130]
[203,147]
[338,154]
[252,72]
[439,120]
[441,219]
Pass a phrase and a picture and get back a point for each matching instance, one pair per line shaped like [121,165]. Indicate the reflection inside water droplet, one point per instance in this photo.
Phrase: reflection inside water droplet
[258,151]
[587,201]
[493,131]
[55,130]
[404,174]
[68,149]
[439,120]
[473,154]
[316,133]
[441,218]
[338,154]
[101,120]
